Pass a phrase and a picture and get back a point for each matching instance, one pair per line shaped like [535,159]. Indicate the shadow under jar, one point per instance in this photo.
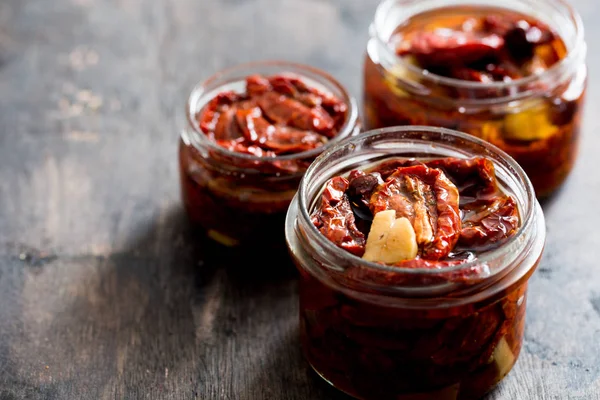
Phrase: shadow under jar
[251,133]
[514,76]
[421,329]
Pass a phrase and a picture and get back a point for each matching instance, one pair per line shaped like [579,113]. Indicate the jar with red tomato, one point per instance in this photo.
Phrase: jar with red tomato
[512,74]
[250,134]
[415,246]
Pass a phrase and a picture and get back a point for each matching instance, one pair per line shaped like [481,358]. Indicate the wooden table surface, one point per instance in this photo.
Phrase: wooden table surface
[105,292]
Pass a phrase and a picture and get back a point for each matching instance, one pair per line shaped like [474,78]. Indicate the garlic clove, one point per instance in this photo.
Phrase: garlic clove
[401,242]
[390,240]
[382,223]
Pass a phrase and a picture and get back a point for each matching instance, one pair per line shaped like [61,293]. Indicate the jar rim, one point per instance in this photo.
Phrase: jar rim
[527,215]
[198,98]
[572,54]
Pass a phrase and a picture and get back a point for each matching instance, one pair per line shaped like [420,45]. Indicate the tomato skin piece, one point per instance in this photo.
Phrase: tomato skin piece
[495,223]
[282,84]
[287,111]
[226,127]
[257,85]
[475,178]
[457,49]
[335,219]
[254,127]
[209,116]
[489,215]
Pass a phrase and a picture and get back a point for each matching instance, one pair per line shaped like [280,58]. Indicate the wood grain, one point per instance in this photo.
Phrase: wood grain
[106,292]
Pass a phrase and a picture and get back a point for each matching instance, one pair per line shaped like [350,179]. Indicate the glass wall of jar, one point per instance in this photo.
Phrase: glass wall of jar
[437,332]
[251,132]
[530,109]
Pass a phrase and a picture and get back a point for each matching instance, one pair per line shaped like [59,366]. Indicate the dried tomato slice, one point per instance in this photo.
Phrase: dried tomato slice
[488,214]
[493,223]
[258,130]
[328,101]
[309,99]
[242,146]
[448,48]
[387,168]
[209,115]
[291,140]
[475,179]
[335,219]
[287,111]
[254,127]
[429,200]
[227,127]
[282,84]
[256,85]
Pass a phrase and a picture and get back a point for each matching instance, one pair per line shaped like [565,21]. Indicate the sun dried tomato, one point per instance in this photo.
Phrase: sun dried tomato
[387,168]
[451,48]
[429,200]
[475,178]
[335,219]
[288,111]
[334,105]
[227,127]
[210,115]
[493,223]
[290,140]
[256,85]
[279,139]
[254,127]
[283,85]
[242,146]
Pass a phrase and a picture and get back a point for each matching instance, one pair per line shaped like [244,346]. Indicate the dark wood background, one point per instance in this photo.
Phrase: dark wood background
[105,293]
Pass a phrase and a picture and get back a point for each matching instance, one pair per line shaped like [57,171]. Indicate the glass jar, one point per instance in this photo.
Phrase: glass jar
[535,119]
[402,333]
[240,198]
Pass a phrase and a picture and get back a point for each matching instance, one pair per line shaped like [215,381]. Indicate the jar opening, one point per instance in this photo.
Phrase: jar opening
[397,142]
[556,13]
[203,92]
